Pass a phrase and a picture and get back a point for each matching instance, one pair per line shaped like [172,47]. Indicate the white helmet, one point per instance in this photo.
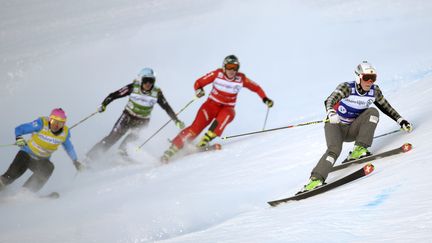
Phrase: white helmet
[364,68]
[147,74]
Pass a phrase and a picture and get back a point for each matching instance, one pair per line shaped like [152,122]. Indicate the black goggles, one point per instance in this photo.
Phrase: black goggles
[367,77]
[147,80]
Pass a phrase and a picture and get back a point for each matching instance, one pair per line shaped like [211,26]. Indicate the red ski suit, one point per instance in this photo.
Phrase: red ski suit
[219,105]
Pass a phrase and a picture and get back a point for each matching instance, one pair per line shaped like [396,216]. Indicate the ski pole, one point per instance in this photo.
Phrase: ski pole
[388,133]
[76,124]
[166,123]
[265,120]
[278,128]
[7,145]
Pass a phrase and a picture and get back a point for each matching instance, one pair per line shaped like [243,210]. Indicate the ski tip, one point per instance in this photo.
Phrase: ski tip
[52,195]
[217,146]
[274,203]
[368,168]
[406,147]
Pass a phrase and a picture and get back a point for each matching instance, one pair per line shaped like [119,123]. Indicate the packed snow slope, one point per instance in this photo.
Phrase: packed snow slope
[72,54]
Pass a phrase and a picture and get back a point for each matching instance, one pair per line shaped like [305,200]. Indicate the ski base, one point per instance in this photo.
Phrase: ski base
[364,171]
[402,149]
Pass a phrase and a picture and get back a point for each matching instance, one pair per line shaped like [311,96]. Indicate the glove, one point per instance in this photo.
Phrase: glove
[405,125]
[20,141]
[199,92]
[333,116]
[268,102]
[101,108]
[180,124]
[78,166]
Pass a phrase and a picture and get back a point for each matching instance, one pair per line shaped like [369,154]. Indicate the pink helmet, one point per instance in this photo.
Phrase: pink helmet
[58,114]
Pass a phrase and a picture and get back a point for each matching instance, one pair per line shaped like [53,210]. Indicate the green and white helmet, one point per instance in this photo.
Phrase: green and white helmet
[364,68]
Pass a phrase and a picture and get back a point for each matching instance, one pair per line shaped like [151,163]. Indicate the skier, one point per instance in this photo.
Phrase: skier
[227,82]
[351,118]
[47,134]
[143,95]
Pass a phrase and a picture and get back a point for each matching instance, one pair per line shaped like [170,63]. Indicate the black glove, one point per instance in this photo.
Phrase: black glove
[268,102]
[405,125]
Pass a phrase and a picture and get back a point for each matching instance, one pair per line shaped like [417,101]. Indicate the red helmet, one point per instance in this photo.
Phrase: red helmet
[58,114]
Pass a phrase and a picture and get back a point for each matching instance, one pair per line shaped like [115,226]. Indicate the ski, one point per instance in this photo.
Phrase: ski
[195,150]
[402,149]
[212,147]
[364,171]
[52,195]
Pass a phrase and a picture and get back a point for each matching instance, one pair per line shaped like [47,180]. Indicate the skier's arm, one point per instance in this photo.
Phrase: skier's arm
[164,104]
[384,105]
[254,87]
[67,145]
[26,128]
[343,90]
[125,91]
[206,79]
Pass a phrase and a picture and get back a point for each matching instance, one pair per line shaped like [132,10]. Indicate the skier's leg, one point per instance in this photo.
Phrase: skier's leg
[361,131]
[223,118]
[363,128]
[17,168]
[334,134]
[136,125]
[205,115]
[119,129]
[42,170]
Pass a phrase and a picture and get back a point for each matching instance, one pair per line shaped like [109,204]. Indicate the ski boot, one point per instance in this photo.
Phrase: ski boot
[169,153]
[357,153]
[312,184]
[208,136]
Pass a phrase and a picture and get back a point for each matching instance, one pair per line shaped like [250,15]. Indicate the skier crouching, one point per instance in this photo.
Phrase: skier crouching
[351,118]
[143,95]
[48,133]
[227,83]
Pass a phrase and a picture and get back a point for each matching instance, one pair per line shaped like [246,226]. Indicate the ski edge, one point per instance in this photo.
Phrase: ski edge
[402,149]
[362,172]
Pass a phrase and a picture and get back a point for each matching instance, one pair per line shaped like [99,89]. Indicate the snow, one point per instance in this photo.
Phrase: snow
[72,54]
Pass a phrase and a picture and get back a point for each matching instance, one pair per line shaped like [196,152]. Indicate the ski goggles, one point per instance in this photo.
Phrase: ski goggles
[57,123]
[232,66]
[147,80]
[57,118]
[368,77]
